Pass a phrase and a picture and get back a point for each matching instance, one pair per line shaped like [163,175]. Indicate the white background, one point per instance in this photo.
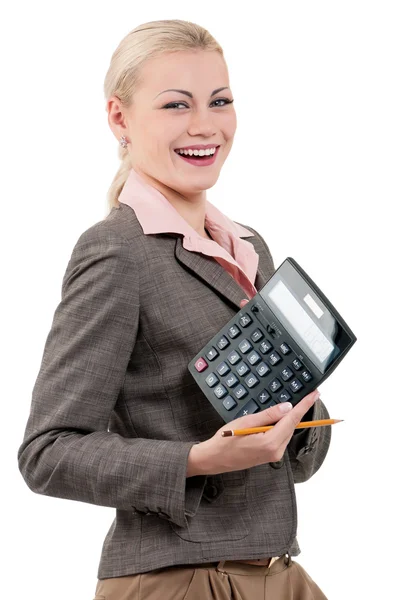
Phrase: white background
[313,169]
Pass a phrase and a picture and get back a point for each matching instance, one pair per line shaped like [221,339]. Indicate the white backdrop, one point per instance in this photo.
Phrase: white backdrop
[313,169]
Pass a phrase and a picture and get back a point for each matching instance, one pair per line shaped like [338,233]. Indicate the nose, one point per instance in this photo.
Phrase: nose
[201,123]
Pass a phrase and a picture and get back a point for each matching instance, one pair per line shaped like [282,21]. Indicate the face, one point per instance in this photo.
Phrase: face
[159,121]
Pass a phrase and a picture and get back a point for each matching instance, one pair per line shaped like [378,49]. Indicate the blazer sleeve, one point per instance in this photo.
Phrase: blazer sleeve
[67,450]
[308,447]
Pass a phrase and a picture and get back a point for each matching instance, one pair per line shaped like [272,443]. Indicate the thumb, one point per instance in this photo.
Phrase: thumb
[265,417]
[243,302]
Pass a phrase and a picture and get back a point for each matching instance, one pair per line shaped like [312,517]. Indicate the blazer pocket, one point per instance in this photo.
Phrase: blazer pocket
[225,517]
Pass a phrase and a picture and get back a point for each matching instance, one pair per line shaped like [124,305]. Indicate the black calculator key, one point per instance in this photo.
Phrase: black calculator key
[223,342]
[296,385]
[285,349]
[257,335]
[251,380]
[231,380]
[306,375]
[274,358]
[245,320]
[220,391]
[212,379]
[223,368]
[233,357]
[263,369]
[240,392]
[264,397]
[284,396]
[229,403]
[242,369]
[297,364]
[265,346]
[269,403]
[274,385]
[233,331]
[212,354]
[253,357]
[249,409]
[201,365]
[287,374]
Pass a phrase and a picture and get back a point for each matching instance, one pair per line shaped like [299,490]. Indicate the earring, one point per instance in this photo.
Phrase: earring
[123,141]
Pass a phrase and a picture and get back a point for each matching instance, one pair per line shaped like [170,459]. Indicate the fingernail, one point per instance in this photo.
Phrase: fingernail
[285,407]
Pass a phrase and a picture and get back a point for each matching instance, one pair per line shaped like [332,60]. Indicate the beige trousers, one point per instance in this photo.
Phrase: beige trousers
[226,580]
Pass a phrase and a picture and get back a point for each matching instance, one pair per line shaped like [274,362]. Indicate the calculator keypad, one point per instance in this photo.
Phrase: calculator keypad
[273,364]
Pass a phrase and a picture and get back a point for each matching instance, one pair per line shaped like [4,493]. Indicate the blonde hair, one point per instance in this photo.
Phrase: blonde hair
[123,76]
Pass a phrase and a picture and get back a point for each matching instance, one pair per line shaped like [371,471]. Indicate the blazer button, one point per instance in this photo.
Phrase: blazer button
[211,490]
[277,465]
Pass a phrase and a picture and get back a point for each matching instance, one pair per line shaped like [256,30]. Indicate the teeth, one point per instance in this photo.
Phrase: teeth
[190,152]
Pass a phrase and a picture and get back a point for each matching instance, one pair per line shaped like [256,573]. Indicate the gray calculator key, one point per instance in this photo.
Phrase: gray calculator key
[223,368]
[284,396]
[265,346]
[287,374]
[245,346]
[242,369]
[296,385]
[251,380]
[233,357]
[253,357]
[220,391]
[257,335]
[240,392]
[231,380]
[229,403]
[264,397]
[212,379]
[306,375]
[297,364]
[212,354]
[274,358]
[223,342]
[285,349]
[263,369]
[274,385]
[245,320]
[248,409]
[233,331]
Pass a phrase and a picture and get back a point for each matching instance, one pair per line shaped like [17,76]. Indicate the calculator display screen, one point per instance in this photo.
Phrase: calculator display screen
[300,325]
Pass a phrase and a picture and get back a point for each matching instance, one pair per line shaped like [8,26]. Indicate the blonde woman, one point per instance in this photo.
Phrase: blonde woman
[116,418]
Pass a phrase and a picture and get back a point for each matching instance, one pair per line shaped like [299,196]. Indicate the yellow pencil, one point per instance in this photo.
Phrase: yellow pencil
[302,425]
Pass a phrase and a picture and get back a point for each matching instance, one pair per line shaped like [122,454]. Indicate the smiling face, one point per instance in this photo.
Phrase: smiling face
[158,122]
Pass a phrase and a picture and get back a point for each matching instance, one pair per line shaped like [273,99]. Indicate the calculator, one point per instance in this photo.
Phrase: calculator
[285,341]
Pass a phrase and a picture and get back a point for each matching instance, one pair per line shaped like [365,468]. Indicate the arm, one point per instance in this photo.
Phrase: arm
[67,451]
[308,447]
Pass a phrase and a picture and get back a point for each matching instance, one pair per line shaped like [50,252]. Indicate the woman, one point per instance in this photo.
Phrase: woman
[116,418]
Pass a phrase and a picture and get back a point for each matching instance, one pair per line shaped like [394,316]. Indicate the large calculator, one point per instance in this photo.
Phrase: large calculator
[285,341]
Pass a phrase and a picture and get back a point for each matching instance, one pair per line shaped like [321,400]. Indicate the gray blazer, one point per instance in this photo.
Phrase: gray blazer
[115,410]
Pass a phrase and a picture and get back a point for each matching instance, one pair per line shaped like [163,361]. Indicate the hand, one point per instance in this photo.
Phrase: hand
[223,454]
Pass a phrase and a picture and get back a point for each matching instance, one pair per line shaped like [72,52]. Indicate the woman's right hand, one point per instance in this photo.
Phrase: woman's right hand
[221,454]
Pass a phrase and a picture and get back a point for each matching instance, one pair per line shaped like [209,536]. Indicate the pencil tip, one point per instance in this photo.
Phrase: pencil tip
[339,420]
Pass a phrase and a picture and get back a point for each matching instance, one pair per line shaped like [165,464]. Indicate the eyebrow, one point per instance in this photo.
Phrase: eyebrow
[189,93]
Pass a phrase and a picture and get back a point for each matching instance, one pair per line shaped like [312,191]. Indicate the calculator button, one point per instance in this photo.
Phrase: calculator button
[250,408]
[274,358]
[287,374]
[233,331]
[269,403]
[229,403]
[275,385]
[212,379]
[263,369]
[265,346]
[223,342]
[253,357]
[245,320]
[212,354]
[257,335]
[285,349]
[233,357]
[297,364]
[251,380]
[231,380]
[220,391]
[223,368]
[284,396]
[201,365]
[264,397]
[245,346]
[240,392]
[306,375]
[242,369]
[296,385]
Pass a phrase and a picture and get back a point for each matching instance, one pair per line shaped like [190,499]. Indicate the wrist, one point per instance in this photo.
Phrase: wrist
[196,461]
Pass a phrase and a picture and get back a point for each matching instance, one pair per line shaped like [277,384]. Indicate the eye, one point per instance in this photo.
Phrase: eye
[172,105]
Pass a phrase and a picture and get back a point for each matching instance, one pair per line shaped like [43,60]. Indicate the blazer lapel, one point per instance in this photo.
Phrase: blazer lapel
[210,271]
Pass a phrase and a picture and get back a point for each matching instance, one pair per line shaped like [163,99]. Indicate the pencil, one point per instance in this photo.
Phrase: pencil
[302,425]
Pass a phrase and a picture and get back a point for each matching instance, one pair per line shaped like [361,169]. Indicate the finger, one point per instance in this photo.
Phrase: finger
[265,417]
[284,428]
[243,302]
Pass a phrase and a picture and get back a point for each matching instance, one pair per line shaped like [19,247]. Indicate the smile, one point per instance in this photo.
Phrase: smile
[198,158]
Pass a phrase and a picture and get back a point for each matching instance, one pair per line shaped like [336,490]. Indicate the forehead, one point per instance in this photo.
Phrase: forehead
[195,71]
